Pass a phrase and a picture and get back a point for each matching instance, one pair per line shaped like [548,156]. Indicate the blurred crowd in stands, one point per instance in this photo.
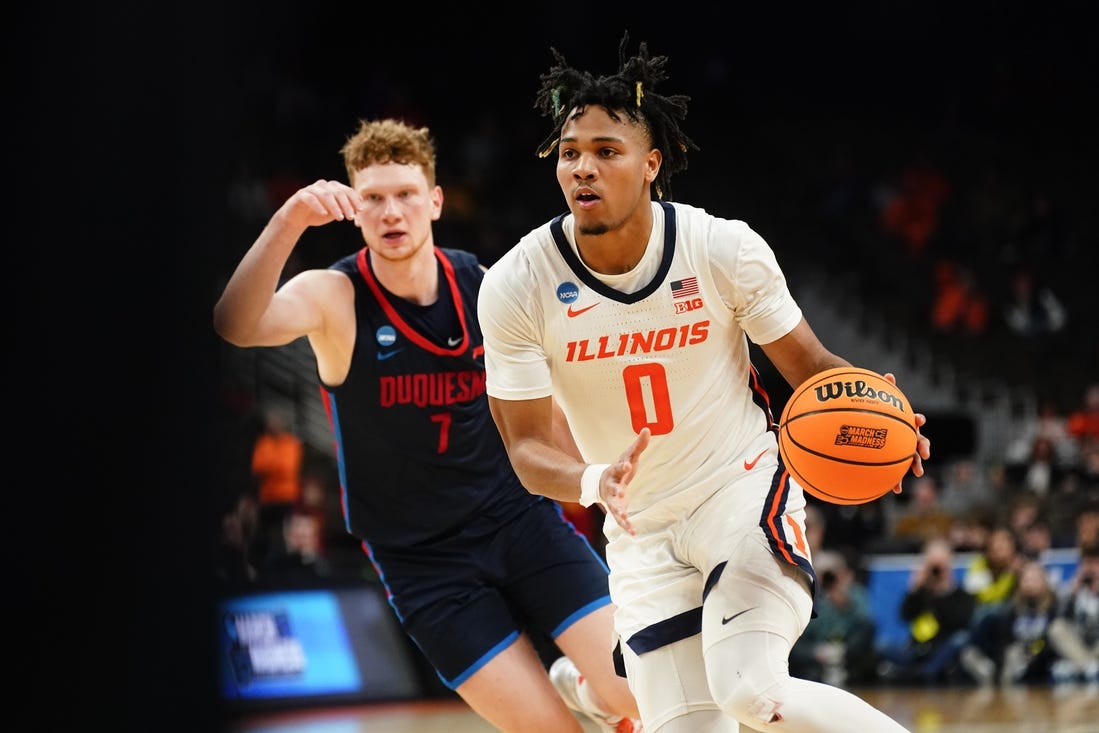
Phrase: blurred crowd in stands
[967,240]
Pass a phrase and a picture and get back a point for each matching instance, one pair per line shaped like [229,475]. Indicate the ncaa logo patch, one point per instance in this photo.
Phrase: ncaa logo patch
[568,292]
[386,336]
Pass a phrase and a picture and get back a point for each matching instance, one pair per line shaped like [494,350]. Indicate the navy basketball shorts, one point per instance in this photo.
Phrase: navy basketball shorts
[466,599]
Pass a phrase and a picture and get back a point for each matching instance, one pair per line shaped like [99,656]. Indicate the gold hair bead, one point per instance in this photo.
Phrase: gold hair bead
[640,94]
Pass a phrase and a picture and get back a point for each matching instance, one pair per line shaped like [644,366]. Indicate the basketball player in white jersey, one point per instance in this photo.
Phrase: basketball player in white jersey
[634,314]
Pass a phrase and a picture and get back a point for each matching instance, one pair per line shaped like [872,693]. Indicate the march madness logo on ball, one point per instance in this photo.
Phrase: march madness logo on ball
[862,437]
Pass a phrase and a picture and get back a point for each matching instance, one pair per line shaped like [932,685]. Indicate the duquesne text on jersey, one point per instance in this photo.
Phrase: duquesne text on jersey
[638,342]
[436,388]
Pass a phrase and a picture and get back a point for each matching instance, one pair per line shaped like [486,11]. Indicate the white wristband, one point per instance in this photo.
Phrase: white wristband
[589,484]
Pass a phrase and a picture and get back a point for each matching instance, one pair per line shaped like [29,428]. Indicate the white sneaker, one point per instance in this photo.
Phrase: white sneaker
[980,667]
[1091,672]
[1014,665]
[1063,672]
[571,686]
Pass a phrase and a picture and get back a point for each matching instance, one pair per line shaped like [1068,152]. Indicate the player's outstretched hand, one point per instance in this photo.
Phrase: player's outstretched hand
[923,443]
[614,482]
[321,202]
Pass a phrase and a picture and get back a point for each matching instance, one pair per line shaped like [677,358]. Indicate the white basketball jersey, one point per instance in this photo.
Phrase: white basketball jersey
[663,346]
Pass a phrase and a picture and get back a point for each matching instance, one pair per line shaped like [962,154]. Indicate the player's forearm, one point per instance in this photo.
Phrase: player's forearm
[249,291]
[547,470]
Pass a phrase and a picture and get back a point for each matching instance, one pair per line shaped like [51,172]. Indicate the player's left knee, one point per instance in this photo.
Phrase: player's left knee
[750,705]
[748,678]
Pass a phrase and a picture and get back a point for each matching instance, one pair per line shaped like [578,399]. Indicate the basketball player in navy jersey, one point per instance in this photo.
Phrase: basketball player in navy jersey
[471,559]
[633,315]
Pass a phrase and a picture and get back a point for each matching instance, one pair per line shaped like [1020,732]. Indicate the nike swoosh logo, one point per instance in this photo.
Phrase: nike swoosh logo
[382,356]
[730,618]
[454,341]
[574,313]
[749,465]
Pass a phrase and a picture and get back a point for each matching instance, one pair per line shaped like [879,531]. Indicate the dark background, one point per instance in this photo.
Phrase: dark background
[125,124]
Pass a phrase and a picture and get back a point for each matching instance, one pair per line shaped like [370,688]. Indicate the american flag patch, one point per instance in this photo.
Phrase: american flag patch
[685,287]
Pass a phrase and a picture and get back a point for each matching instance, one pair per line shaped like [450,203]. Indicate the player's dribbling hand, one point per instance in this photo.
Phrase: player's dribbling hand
[614,482]
[320,203]
[923,443]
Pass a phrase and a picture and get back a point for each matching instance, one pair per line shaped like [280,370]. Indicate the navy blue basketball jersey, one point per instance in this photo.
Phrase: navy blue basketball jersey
[420,458]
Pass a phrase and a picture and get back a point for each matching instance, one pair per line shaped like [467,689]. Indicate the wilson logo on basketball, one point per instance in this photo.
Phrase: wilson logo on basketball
[862,437]
[856,390]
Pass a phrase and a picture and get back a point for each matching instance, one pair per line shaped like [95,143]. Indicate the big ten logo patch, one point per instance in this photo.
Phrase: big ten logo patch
[686,306]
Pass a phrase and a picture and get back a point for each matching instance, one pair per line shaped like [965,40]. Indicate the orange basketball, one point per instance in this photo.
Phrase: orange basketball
[847,435]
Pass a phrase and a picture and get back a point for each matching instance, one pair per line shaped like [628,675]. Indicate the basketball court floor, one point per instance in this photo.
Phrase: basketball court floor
[1056,709]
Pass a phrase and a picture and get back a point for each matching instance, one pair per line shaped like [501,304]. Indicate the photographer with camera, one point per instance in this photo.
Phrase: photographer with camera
[938,612]
[1074,633]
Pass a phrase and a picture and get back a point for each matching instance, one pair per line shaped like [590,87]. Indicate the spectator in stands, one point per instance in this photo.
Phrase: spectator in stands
[1036,538]
[1028,656]
[1075,520]
[966,488]
[1074,633]
[1033,311]
[958,304]
[971,529]
[1048,423]
[320,496]
[837,646]
[1083,422]
[1087,525]
[233,562]
[924,518]
[1029,520]
[1043,474]
[938,612]
[300,557]
[1024,509]
[991,576]
[1087,468]
[277,457]
[1013,637]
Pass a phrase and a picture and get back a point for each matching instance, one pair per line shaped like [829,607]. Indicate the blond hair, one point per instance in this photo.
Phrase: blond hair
[389,141]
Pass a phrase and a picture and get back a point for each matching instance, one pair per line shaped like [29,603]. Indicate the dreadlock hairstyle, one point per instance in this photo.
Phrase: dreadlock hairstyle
[630,92]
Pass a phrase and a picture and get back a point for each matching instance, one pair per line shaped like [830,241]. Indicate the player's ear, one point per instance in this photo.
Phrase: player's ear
[436,203]
[652,164]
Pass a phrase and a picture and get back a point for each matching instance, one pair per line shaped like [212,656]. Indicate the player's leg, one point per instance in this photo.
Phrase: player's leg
[763,695]
[470,634]
[672,691]
[657,618]
[512,692]
[751,617]
[560,586]
[588,646]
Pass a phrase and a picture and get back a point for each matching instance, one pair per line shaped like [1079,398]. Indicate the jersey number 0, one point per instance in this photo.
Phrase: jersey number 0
[648,398]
